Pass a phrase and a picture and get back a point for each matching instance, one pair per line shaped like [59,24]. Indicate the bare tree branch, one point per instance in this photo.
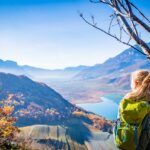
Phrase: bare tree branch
[140,12]
[139,41]
[112,18]
[141,23]
[123,6]
[121,26]
[129,39]
[136,18]
[113,36]
[131,19]
[127,20]
[134,27]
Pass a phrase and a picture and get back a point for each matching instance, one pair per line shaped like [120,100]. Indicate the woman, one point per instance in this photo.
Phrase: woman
[133,130]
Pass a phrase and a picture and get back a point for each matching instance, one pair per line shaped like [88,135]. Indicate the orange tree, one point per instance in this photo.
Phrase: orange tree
[7,128]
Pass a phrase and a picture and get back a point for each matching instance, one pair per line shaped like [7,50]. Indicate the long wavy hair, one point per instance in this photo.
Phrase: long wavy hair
[143,90]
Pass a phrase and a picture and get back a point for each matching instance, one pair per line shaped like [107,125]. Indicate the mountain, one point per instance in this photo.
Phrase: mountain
[57,74]
[44,116]
[126,62]
[36,103]
[110,77]
[87,84]
[38,73]
[33,100]
[9,66]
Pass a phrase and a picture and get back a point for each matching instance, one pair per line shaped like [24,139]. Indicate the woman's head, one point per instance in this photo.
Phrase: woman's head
[140,84]
[137,78]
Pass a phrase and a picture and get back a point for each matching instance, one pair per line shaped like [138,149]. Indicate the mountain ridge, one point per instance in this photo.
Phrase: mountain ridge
[99,80]
[10,66]
[88,84]
[78,72]
[127,58]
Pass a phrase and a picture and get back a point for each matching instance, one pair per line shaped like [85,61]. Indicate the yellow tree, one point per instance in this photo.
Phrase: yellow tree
[7,128]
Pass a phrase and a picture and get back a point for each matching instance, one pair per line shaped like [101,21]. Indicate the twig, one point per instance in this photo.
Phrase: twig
[113,36]
[139,11]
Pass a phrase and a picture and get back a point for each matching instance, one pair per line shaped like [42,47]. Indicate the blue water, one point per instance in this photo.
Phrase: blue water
[107,108]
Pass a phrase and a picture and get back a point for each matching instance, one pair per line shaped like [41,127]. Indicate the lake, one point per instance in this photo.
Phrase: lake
[107,108]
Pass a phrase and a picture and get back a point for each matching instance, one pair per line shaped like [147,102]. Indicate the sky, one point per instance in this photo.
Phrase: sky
[50,33]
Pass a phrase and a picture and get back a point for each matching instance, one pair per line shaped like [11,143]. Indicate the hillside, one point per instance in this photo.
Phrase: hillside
[57,137]
[33,101]
[36,103]
[57,123]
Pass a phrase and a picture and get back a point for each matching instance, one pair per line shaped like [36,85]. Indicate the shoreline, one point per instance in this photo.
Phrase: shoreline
[89,102]
[109,96]
[106,108]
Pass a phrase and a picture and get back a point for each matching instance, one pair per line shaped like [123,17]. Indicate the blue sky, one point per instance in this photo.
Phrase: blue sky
[50,33]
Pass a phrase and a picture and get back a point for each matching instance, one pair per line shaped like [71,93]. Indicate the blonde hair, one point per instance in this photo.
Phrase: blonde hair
[143,91]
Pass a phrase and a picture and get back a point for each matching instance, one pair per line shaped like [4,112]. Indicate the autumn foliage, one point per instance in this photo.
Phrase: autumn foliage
[7,128]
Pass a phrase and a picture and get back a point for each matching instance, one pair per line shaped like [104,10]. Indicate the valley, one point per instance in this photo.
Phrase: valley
[42,112]
[52,106]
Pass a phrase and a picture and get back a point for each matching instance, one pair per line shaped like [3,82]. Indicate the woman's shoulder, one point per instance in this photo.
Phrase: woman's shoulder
[126,98]
[133,103]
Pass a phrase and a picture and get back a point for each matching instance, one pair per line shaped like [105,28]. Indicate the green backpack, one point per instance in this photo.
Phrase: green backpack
[128,127]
